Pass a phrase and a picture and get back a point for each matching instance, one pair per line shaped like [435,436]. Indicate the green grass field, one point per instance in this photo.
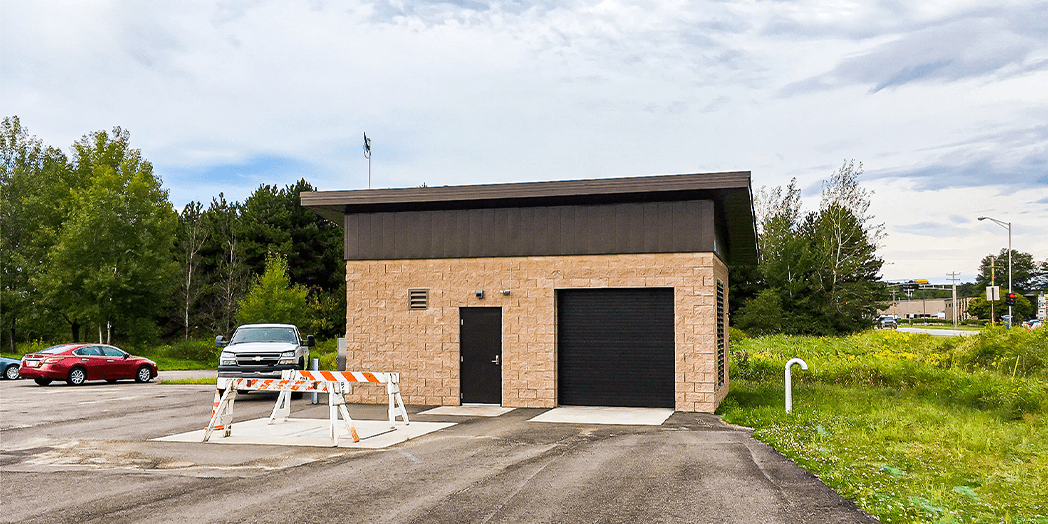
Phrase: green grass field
[208,381]
[913,428]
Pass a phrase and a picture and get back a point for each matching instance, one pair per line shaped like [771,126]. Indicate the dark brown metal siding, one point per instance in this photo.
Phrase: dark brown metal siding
[653,227]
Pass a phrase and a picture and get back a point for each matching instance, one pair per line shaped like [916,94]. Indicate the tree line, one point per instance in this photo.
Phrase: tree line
[90,245]
[1028,278]
[819,272]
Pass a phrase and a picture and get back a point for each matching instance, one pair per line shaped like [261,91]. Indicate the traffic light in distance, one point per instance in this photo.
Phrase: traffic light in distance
[1009,299]
[912,285]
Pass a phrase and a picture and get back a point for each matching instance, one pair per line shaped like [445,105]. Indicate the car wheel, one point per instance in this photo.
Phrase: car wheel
[11,373]
[77,376]
[42,381]
[144,374]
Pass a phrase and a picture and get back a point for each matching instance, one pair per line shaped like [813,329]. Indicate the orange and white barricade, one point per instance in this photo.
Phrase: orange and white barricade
[334,383]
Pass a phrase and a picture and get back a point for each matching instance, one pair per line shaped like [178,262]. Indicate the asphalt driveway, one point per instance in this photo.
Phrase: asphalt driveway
[84,454]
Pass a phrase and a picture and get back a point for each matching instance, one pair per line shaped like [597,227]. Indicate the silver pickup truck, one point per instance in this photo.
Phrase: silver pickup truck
[262,351]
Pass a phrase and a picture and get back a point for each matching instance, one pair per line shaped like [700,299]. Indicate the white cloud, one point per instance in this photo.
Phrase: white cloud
[223,96]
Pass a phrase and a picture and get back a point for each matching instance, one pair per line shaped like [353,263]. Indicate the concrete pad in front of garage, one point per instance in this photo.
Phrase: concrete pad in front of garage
[374,434]
[483,410]
[605,415]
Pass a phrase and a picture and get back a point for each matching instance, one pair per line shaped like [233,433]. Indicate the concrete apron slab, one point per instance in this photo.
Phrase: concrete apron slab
[605,415]
[483,410]
[374,434]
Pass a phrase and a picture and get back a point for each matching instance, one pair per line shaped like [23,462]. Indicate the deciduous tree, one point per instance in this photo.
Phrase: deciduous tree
[192,234]
[1025,272]
[821,269]
[979,307]
[112,260]
[36,185]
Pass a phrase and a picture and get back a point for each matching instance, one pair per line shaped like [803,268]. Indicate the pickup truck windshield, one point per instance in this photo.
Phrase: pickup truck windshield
[264,334]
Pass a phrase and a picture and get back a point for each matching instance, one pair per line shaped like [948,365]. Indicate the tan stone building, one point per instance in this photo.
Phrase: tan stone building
[598,292]
[928,308]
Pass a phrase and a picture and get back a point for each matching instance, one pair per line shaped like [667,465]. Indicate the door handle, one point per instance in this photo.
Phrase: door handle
[496,361]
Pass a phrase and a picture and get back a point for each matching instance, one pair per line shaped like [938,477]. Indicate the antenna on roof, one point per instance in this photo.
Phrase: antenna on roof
[367,155]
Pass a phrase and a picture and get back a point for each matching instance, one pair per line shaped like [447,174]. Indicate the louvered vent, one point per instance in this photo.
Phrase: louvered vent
[720,333]
[418,298]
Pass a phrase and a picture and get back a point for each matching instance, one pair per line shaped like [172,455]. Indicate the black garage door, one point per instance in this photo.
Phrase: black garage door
[615,347]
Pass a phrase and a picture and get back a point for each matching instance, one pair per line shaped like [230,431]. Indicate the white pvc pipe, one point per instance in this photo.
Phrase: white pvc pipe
[789,382]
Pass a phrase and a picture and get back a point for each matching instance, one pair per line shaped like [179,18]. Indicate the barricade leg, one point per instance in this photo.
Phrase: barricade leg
[218,396]
[222,413]
[403,410]
[214,407]
[336,407]
[349,423]
[283,407]
[396,404]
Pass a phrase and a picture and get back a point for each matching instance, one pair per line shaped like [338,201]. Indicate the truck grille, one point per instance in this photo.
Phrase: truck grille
[257,359]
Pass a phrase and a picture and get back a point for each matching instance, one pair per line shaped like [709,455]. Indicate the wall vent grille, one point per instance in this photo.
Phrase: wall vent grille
[418,298]
[720,333]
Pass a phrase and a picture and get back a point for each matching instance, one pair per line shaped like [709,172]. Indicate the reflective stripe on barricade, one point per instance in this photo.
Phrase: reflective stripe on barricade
[214,408]
[334,383]
[350,376]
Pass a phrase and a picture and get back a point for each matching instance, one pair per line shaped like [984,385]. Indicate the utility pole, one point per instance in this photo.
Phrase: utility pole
[1008,226]
[953,278]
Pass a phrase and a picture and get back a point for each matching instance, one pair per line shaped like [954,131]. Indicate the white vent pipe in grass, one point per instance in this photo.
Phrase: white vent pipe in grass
[789,382]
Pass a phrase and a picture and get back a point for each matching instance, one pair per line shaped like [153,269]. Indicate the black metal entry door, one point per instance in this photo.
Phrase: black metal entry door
[480,346]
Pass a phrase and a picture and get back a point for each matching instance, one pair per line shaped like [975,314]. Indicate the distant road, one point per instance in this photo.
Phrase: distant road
[939,332]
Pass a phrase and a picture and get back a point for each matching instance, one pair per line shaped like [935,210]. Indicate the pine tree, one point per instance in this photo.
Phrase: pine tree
[272,299]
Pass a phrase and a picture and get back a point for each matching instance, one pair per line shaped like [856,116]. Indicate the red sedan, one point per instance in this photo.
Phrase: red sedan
[76,363]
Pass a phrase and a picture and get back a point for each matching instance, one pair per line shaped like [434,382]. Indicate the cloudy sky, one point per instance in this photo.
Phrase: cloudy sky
[944,103]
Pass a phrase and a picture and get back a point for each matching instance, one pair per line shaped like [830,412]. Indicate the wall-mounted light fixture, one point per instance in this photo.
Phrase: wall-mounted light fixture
[480,293]
[505,292]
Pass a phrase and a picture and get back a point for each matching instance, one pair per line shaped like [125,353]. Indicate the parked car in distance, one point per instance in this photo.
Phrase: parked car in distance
[77,363]
[9,367]
[887,322]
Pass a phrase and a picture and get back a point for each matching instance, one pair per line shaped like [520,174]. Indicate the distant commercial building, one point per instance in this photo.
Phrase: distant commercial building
[928,308]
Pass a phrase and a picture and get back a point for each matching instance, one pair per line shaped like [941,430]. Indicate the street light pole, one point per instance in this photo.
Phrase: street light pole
[1008,226]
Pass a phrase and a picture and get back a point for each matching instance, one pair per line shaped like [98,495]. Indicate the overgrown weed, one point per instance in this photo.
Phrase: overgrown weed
[911,427]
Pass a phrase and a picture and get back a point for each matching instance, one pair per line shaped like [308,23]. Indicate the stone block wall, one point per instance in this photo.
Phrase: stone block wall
[383,334]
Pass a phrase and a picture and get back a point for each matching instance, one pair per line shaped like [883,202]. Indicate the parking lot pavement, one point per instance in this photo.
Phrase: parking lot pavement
[83,454]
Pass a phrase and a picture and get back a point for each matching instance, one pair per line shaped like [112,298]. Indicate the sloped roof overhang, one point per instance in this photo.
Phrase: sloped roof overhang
[730,192]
